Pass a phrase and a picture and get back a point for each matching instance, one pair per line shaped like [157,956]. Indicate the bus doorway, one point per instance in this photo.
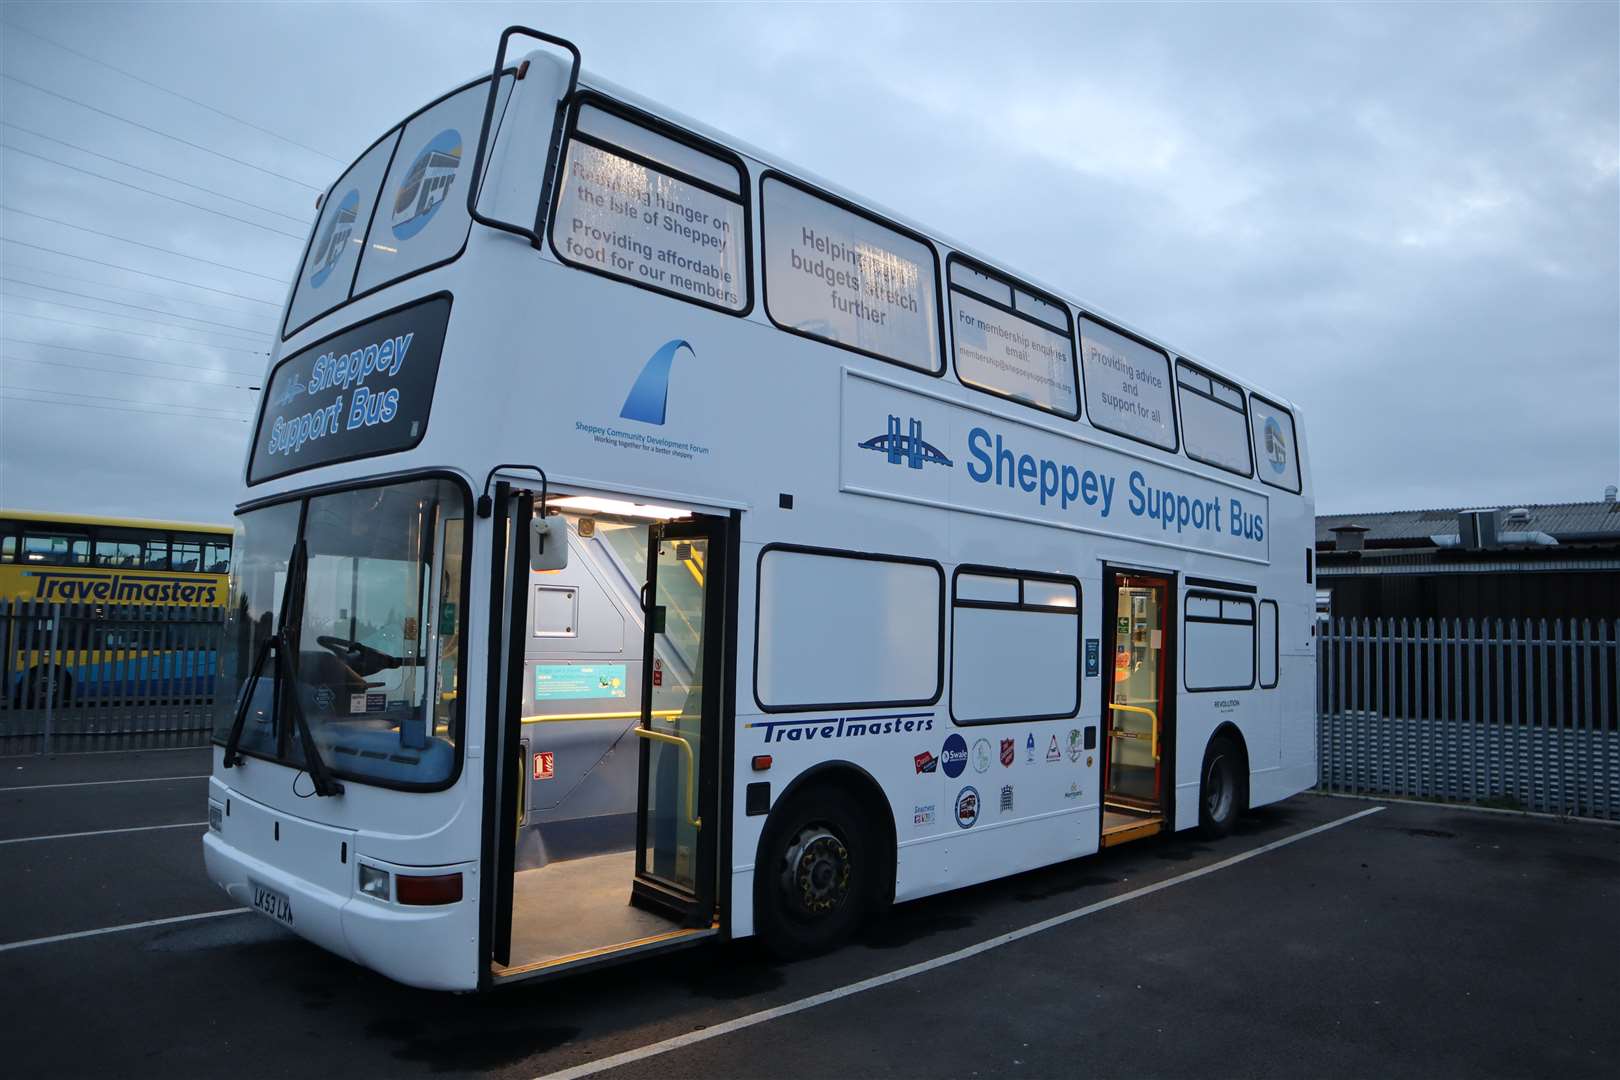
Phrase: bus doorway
[1139,705]
[616,721]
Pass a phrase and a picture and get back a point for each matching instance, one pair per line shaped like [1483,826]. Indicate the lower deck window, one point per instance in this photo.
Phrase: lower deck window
[1219,642]
[840,629]
[1015,647]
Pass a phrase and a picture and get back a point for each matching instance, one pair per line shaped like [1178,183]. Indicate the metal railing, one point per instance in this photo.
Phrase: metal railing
[94,677]
[1508,713]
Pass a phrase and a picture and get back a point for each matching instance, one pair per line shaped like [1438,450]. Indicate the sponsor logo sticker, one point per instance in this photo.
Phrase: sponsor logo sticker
[925,761]
[953,756]
[1052,752]
[922,815]
[967,807]
[1029,748]
[1006,798]
[1076,744]
[1009,751]
[1074,790]
[981,755]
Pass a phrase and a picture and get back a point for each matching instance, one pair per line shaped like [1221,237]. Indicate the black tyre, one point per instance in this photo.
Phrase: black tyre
[1221,791]
[38,688]
[818,874]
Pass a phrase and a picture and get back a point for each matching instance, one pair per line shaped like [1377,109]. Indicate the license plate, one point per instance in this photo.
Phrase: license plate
[272,903]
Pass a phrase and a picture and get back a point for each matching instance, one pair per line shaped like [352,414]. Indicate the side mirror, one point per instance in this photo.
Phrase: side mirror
[548,543]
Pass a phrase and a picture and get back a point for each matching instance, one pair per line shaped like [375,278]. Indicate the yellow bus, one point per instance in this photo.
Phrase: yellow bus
[107,562]
[82,559]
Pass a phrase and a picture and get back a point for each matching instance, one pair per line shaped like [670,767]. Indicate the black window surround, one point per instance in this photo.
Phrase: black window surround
[663,128]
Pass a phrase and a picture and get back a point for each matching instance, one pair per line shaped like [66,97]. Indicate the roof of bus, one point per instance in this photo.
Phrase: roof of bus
[96,519]
[698,127]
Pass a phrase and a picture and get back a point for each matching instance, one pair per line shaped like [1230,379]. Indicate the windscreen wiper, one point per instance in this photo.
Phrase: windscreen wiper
[287,670]
[284,643]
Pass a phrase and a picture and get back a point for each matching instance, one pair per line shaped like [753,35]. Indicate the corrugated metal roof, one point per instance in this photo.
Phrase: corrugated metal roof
[1562,521]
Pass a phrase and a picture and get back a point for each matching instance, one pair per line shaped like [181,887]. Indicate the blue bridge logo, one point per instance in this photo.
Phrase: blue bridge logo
[649,396]
[909,448]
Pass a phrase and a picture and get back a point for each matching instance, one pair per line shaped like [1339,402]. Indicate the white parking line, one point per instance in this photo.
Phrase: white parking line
[98,783]
[104,832]
[120,929]
[590,1068]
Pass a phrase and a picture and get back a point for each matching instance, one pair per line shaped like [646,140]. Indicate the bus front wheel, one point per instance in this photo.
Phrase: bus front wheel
[817,879]
[1221,794]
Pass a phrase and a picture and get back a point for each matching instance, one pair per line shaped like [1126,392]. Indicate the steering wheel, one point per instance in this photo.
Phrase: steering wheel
[358,656]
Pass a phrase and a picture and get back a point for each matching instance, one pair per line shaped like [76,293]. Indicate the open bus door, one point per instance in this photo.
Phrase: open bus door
[657,888]
[1139,704]
[681,701]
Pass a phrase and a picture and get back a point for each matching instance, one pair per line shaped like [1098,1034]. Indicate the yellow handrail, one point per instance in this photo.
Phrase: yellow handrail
[557,718]
[1151,715]
[691,769]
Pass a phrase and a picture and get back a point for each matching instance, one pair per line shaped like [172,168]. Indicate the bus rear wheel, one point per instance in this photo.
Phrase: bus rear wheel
[817,879]
[40,687]
[1221,794]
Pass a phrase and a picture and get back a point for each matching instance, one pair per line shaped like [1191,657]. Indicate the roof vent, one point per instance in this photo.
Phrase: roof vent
[1479,528]
[1519,515]
[1610,492]
[1349,537]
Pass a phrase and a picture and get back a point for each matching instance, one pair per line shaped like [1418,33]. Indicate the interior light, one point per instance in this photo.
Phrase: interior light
[597,505]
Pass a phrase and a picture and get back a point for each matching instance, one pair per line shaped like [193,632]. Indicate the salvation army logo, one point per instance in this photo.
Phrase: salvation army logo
[334,239]
[953,757]
[427,184]
[1276,446]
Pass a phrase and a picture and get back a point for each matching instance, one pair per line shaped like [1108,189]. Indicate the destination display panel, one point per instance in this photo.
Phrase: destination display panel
[362,392]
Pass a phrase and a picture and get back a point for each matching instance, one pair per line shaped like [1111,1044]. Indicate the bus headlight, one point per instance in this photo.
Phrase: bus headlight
[373,882]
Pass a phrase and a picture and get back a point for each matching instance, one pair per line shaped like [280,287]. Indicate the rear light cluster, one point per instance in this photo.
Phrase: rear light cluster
[216,817]
[410,889]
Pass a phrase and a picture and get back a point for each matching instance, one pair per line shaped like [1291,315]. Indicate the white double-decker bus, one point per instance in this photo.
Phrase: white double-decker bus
[650,542]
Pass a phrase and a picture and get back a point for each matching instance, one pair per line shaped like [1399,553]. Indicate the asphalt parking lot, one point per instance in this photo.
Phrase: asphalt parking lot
[1414,940]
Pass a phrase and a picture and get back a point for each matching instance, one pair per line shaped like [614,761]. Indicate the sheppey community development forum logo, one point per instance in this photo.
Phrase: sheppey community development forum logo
[648,400]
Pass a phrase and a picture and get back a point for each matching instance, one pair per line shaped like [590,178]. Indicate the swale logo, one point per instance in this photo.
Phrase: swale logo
[649,395]
[909,448]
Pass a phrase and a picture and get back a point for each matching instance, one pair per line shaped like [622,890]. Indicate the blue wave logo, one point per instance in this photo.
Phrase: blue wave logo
[649,396]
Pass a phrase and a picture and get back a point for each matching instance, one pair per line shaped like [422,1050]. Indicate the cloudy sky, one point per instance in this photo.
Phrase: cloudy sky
[1404,218]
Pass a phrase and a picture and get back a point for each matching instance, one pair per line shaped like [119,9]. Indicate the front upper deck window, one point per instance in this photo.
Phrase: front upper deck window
[644,207]
[422,219]
[328,271]
[401,208]
[377,630]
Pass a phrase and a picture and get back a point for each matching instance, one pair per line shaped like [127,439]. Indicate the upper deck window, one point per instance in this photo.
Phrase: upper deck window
[422,220]
[663,213]
[1214,422]
[359,245]
[1012,343]
[837,274]
[1274,443]
[328,270]
[1127,385]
